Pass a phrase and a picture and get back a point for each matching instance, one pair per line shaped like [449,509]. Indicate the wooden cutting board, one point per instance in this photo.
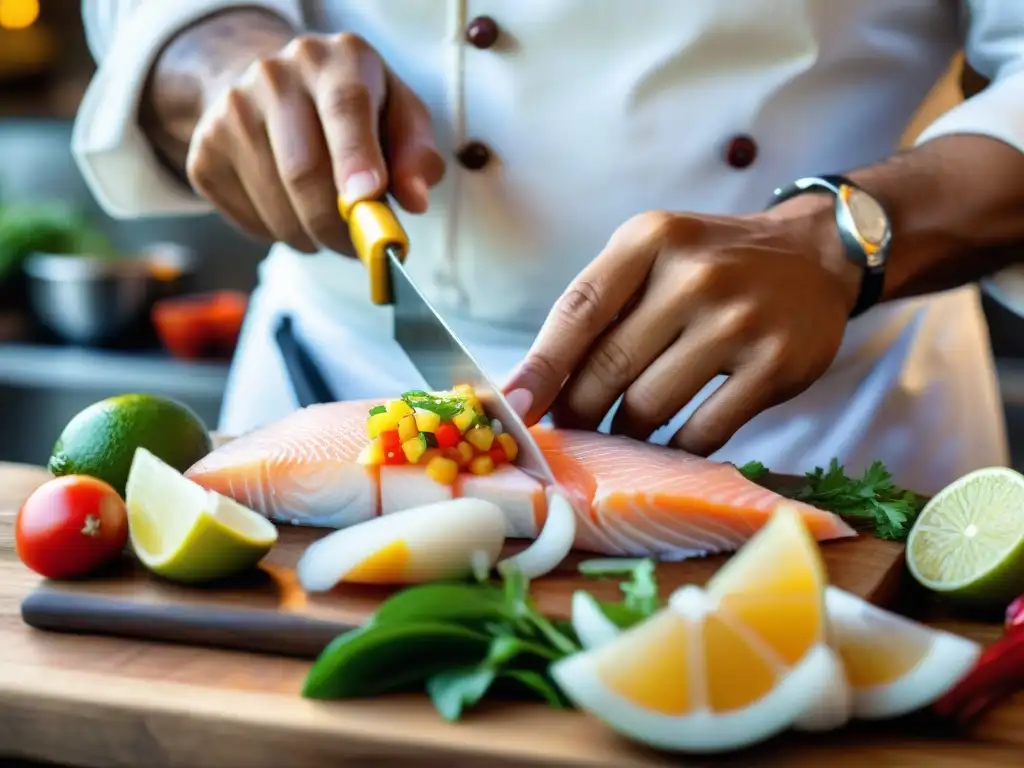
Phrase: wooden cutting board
[267,611]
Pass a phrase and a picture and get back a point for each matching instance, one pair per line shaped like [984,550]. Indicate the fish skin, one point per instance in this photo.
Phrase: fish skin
[631,498]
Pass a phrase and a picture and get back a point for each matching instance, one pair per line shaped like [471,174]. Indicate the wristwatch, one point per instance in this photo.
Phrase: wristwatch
[864,229]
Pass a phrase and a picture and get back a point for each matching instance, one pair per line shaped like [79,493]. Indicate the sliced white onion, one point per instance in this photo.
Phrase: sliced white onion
[591,626]
[829,712]
[552,544]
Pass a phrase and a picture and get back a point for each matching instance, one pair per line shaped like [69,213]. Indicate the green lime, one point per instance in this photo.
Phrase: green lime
[101,440]
[968,542]
[181,531]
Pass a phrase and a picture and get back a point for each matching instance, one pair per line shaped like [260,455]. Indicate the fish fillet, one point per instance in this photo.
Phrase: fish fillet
[630,498]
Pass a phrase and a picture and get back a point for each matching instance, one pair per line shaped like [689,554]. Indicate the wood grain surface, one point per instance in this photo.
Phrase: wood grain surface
[104,701]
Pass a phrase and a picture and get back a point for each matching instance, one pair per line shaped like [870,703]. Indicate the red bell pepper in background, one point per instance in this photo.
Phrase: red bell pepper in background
[998,673]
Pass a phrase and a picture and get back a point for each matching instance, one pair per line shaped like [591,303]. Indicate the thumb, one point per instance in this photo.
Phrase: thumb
[413,158]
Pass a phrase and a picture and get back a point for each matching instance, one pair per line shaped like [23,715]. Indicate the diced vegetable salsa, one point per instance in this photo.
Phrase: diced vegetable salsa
[446,432]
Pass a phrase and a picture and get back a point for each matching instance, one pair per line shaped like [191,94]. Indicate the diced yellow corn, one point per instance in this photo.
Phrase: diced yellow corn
[380,422]
[427,421]
[430,454]
[464,419]
[508,445]
[475,405]
[414,449]
[463,389]
[407,428]
[481,465]
[372,453]
[481,438]
[399,408]
[442,470]
[462,453]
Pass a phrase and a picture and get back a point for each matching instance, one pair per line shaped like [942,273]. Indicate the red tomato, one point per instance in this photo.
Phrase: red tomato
[447,435]
[70,527]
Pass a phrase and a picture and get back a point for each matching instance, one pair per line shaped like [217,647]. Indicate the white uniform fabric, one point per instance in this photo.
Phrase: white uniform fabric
[596,110]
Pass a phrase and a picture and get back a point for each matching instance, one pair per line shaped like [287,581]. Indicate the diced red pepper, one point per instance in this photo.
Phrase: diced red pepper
[447,435]
[998,673]
[498,455]
[392,446]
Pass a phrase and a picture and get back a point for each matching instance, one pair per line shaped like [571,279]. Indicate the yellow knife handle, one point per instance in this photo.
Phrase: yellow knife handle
[374,229]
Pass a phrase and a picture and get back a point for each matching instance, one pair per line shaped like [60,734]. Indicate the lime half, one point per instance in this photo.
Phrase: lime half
[968,542]
[181,531]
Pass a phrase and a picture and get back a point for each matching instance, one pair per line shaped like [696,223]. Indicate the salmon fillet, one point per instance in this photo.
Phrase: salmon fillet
[630,498]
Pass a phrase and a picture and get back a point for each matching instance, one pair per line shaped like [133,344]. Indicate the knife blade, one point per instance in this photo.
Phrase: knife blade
[429,342]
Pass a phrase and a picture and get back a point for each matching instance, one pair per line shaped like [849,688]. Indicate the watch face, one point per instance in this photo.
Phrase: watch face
[868,217]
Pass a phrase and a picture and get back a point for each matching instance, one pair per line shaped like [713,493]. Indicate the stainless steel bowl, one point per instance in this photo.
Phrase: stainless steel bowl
[96,300]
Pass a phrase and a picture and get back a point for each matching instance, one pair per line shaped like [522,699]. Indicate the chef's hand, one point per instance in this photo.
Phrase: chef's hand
[276,145]
[673,301]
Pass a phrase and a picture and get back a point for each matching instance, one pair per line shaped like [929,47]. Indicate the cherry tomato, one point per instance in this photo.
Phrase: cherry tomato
[70,527]
[498,455]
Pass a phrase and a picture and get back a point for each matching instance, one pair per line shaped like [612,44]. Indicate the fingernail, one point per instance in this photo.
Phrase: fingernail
[360,186]
[520,400]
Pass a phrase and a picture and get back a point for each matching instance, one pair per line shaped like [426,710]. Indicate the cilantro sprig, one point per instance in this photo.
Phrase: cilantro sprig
[872,500]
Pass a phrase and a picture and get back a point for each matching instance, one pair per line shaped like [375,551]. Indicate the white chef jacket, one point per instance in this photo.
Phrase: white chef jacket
[594,111]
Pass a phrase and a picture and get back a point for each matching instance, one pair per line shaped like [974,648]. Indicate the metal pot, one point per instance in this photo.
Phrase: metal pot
[96,300]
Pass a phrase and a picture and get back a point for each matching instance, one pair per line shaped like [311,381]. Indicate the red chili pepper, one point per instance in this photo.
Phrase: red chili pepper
[447,435]
[998,673]
[1015,613]
[498,455]
[392,446]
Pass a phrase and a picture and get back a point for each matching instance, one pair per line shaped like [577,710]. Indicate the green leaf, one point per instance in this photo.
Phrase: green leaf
[641,589]
[456,689]
[445,601]
[753,470]
[540,685]
[621,615]
[381,658]
[609,566]
[871,500]
[444,404]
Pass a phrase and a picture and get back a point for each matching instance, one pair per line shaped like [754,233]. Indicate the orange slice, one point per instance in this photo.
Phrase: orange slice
[720,668]
[894,665]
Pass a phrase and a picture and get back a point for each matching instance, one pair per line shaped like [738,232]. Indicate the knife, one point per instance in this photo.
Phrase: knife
[433,348]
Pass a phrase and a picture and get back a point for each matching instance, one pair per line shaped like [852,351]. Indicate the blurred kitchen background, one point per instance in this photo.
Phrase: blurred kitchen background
[74,330]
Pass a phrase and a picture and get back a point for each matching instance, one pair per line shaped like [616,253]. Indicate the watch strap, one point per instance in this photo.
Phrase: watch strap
[873,276]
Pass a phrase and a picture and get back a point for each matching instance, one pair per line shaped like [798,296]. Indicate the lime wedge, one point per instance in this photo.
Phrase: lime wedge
[181,531]
[968,542]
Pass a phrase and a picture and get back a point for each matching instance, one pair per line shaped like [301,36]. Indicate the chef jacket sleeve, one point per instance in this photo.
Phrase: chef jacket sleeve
[113,155]
[994,47]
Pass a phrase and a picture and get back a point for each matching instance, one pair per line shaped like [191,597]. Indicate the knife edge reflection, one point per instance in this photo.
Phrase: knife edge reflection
[444,362]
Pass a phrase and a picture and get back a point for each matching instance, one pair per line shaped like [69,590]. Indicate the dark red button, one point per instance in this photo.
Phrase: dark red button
[741,152]
[473,155]
[482,32]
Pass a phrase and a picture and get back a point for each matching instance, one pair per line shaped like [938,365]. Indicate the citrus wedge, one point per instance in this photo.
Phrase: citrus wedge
[968,542]
[186,533]
[720,668]
[894,665]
